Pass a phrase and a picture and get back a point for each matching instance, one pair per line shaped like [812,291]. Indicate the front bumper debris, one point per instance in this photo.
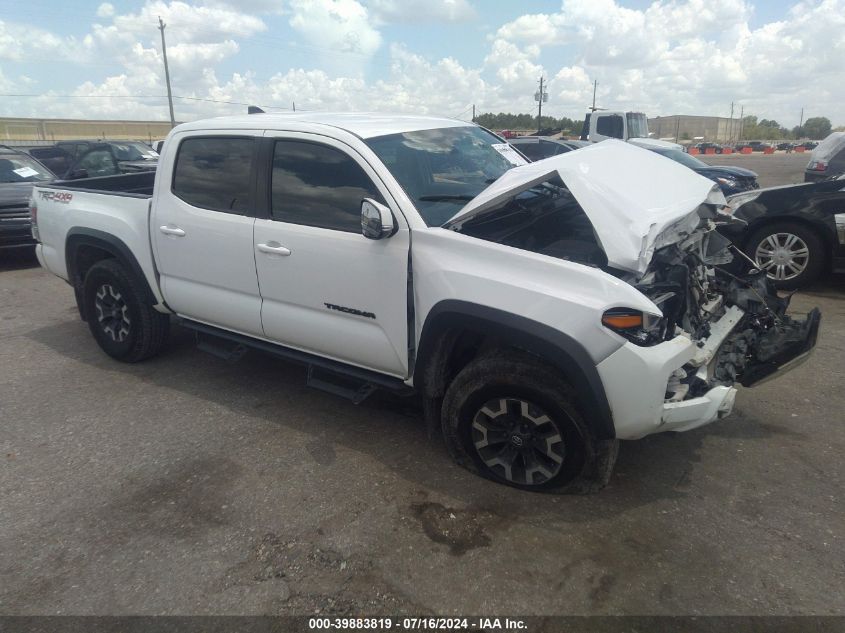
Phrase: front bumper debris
[782,348]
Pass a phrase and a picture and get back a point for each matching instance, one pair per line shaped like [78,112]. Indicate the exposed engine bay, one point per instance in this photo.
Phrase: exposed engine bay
[697,296]
[738,322]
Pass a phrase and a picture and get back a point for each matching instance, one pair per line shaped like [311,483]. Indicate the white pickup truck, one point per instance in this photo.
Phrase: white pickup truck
[541,311]
[626,126]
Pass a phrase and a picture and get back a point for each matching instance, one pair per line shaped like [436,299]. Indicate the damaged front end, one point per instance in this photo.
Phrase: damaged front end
[738,324]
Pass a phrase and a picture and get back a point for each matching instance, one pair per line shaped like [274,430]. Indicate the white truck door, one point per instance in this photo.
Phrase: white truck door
[201,227]
[607,125]
[326,288]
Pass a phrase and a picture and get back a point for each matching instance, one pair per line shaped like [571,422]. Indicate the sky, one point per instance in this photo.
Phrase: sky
[76,59]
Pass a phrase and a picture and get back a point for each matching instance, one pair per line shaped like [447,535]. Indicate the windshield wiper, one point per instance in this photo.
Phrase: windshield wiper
[447,198]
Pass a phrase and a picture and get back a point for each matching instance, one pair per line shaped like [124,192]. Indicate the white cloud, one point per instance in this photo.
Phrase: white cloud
[672,56]
[105,10]
[340,31]
[416,11]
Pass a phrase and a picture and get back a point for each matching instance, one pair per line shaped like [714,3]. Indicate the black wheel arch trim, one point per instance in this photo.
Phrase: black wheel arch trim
[556,347]
[83,236]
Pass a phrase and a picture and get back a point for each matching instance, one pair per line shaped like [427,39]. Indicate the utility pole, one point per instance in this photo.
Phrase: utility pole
[161,26]
[741,122]
[473,113]
[731,124]
[801,123]
[293,103]
[595,85]
[540,96]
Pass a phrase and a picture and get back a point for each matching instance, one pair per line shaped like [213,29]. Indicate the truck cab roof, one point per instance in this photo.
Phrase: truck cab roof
[362,125]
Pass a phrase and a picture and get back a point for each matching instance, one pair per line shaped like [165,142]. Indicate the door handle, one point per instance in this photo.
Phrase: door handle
[274,248]
[172,230]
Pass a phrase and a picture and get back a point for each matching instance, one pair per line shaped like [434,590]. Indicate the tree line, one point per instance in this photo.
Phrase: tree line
[816,128]
[752,129]
[508,121]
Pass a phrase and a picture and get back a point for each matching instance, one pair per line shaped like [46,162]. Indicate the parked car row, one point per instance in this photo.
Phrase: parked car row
[730,179]
[71,160]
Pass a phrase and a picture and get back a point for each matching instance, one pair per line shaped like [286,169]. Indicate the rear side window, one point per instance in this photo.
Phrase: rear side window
[320,186]
[215,173]
[610,125]
[98,162]
[531,150]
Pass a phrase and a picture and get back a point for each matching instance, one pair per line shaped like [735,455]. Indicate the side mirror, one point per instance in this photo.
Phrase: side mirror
[376,220]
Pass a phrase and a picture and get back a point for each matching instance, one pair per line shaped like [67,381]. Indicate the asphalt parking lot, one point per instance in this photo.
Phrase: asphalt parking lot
[188,485]
[775,169]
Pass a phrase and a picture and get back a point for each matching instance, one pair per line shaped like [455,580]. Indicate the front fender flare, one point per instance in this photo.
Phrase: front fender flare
[554,346]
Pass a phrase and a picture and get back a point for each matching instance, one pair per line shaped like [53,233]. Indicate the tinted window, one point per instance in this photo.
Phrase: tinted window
[837,163]
[21,168]
[318,186]
[97,162]
[531,150]
[214,173]
[610,125]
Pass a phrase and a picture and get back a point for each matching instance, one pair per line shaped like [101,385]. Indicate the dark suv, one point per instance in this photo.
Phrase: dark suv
[18,172]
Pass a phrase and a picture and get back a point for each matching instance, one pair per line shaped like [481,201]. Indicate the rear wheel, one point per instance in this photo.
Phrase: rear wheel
[123,323]
[511,418]
[791,254]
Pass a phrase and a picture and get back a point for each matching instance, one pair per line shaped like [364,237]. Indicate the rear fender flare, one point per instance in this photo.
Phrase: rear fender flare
[81,236]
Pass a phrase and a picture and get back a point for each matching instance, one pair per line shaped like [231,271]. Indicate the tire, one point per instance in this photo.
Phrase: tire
[515,401]
[124,325]
[792,254]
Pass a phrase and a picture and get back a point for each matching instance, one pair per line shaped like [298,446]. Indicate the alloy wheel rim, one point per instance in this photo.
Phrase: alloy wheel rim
[518,441]
[112,313]
[783,256]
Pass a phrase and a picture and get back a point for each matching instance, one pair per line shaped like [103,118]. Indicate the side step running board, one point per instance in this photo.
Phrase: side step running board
[327,375]
[339,385]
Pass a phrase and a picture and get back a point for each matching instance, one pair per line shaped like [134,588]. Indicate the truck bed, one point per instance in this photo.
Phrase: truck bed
[89,210]
[139,185]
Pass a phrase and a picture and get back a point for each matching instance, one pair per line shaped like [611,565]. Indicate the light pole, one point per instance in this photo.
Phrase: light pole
[541,96]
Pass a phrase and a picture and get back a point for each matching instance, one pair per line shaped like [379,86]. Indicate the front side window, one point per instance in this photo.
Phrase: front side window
[320,186]
[214,173]
[443,169]
[638,125]
[98,162]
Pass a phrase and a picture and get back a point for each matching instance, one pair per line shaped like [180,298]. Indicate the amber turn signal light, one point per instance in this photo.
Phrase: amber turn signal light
[622,319]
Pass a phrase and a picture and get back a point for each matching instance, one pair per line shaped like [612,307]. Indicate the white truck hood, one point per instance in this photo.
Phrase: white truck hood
[635,199]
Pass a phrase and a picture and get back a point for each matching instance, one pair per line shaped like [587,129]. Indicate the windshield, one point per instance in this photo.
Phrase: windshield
[22,168]
[682,157]
[443,169]
[637,125]
[133,151]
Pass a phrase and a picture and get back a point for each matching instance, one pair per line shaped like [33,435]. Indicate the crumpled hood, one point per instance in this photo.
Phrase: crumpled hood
[635,199]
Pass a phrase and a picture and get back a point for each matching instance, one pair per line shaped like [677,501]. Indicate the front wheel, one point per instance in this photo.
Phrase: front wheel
[511,418]
[791,255]
[123,323]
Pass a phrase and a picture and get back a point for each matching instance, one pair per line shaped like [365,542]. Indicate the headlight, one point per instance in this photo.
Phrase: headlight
[727,182]
[636,326]
[735,202]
